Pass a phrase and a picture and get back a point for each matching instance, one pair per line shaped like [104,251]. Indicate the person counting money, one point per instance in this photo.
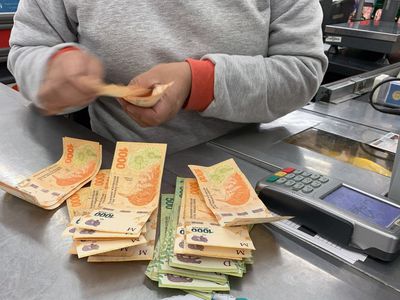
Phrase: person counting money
[227,63]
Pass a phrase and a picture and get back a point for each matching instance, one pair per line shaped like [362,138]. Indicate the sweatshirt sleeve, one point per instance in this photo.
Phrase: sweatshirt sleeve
[255,89]
[38,34]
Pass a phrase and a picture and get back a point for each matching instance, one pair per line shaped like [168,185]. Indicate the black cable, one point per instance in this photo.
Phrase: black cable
[381,108]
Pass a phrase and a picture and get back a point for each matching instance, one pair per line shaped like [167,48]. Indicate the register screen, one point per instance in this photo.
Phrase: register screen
[363,206]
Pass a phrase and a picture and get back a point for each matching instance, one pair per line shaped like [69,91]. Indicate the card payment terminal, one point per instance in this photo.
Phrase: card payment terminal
[339,212]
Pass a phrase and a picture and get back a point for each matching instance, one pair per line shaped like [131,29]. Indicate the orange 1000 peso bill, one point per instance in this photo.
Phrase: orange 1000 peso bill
[135,177]
[230,196]
[202,228]
[50,187]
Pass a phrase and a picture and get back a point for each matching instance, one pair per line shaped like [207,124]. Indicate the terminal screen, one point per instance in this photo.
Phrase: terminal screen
[364,206]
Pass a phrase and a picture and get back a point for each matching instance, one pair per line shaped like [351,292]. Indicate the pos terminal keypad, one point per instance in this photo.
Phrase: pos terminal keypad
[298,180]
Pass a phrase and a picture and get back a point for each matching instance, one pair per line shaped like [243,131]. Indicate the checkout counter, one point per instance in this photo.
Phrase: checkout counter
[322,138]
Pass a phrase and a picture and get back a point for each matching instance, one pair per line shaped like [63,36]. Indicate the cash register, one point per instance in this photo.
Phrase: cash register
[338,211]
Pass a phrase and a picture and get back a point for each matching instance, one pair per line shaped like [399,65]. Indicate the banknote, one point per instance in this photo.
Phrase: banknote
[50,187]
[230,196]
[166,203]
[69,231]
[218,236]
[152,268]
[78,203]
[202,228]
[135,177]
[146,252]
[186,283]
[182,247]
[98,189]
[89,234]
[166,243]
[86,199]
[134,94]
[195,274]
[151,99]
[72,249]
[206,264]
[113,220]
[100,181]
[248,260]
[135,253]
[87,248]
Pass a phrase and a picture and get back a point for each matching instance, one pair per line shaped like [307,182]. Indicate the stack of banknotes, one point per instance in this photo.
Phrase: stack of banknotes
[204,230]
[50,187]
[115,218]
[204,227]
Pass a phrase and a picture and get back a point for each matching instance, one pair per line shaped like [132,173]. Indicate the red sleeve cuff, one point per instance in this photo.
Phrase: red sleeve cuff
[64,50]
[202,93]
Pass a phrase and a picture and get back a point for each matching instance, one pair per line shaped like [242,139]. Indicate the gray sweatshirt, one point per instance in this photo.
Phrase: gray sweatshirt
[268,56]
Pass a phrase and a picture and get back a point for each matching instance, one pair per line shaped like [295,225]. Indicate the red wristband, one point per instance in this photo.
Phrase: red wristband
[64,50]
[202,93]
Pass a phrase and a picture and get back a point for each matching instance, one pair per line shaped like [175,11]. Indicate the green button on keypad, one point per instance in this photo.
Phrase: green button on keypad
[272,178]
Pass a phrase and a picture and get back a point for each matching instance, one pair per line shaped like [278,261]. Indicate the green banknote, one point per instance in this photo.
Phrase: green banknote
[167,203]
[186,283]
[215,277]
[207,264]
[174,277]
[165,244]
[168,228]
[248,261]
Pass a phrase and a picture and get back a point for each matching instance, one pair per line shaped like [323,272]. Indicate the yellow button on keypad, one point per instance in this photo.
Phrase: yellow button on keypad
[280,174]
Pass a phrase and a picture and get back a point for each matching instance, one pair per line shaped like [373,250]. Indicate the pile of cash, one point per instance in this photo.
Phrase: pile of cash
[204,227]
[115,219]
[204,231]
[50,187]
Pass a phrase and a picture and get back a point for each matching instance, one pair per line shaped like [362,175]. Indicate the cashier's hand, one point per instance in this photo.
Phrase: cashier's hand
[171,101]
[62,88]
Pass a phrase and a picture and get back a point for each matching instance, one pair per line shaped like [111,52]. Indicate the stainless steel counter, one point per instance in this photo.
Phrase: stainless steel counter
[34,260]
[264,145]
[356,111]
